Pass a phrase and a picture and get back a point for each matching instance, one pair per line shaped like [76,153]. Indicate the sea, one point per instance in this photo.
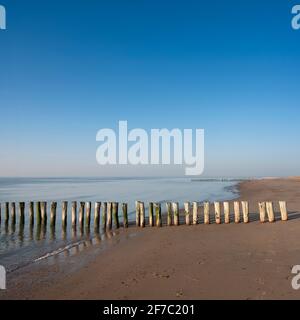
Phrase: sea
[23,245]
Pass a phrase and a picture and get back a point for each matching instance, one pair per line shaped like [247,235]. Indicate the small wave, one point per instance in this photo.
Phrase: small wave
[58,251]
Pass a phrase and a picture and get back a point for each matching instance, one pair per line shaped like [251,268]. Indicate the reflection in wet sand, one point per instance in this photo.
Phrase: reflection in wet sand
[21,234]
[38,232]
[30,228]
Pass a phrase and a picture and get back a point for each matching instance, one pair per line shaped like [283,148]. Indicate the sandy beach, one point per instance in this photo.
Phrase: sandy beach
[235,261]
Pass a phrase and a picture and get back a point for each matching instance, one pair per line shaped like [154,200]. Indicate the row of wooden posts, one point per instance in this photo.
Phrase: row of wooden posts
[39,210]
[191,211]
[110,213]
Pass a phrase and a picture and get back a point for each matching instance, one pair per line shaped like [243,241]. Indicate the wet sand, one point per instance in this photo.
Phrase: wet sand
[235,261]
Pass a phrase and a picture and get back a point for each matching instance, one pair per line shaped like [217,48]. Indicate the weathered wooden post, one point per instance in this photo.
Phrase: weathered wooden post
[22,213]
[74,214]
[206,213]
[44,212]
[109,216]
[226,212]
[195,213]
[13,213]
[157,207]
[81,215]
[115,212]
[217,212]
[88,206]
[176,213]
[245,209]
[125,215]
[137,213]
[104,215]
[151,220]
[270,211]
[64,214]
[187,213]
[31,214]
[262,211]
[97,215]
[6,212]
[283,210]
[38,213]
[169,213]
[237,213]
[21,220]
[142,215]
[53,207]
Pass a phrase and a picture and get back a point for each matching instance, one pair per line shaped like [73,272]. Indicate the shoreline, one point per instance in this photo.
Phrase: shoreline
[245,261]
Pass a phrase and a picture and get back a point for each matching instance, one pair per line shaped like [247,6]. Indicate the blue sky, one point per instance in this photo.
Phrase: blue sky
[69,69]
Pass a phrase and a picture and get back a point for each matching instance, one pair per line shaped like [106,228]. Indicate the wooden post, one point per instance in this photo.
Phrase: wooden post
[74,214]
[151,220]
[81,215]
[44,212]
[64,214]
[187,213]
[13,213]
[245,208]
[22,213]
[31,214]
[169,213]
[283,210]
[262,211]
[195,213]
[142,215]
[104,215]
[237,213]
[226,212]
[109,216]
[270,211]
[6,212]
[53,207]
[176,213]
[157,207]
[125,215]
[38,213]
[88,206]
[97,215]
[115,212]
[137,213]
[217,212]
[206,213]
[21,220]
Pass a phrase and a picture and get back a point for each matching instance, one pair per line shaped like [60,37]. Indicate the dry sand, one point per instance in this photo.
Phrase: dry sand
[236,261]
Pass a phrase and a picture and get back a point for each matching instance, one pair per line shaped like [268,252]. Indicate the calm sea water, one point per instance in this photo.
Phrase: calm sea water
[21,246]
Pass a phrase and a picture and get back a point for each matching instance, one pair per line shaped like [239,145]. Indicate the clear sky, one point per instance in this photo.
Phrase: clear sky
[70,68]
